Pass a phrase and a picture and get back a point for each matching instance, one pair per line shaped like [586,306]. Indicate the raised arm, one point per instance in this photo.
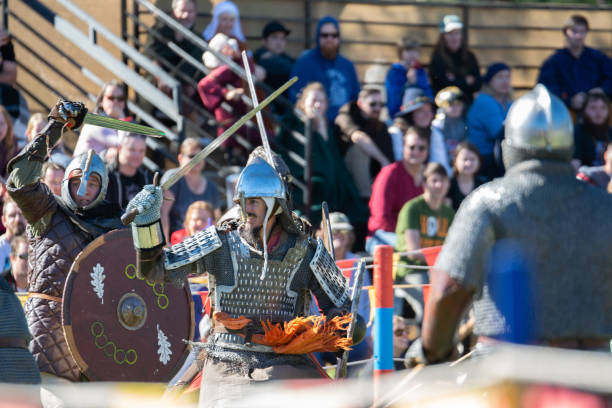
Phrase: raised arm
[33,198]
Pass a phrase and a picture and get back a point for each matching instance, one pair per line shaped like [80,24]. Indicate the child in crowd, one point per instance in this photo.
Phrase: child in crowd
[465,173]
[405,73]
[449,122]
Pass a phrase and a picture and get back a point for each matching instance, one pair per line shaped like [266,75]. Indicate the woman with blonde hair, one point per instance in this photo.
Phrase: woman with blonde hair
[331,180]
[199,215]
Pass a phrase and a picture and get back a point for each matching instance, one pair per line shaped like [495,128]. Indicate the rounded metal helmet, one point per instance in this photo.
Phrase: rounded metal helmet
[539,125]
[260,179]
[84,165]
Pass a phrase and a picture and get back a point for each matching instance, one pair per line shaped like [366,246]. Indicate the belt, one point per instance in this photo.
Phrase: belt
[236,342]
[43,296]
[13,342]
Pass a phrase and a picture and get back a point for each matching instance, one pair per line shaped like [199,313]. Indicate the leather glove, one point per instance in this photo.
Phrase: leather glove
[72,113]
[148,203]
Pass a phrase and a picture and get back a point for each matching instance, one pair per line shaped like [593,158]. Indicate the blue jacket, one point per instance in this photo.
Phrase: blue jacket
[395,83]
[338,76]
[565,76]
[485,120]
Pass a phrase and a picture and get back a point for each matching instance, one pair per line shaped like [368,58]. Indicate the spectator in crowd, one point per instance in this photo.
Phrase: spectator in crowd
[465,173]
[36,124]
[19,263]
[194,186]
[15,224]
[424,221]
[593,132]
[364,139]
[273,58]
[598,176]
[404,333]
[408,72]
[156,48]
[330,179]
[486,118]
[450,121]
[10,97]
[418,111]
[222,92]
[104,141]
[571,72]
[225,20]
[451,61]
[326,65]
[396,184]
[343,236]
[126,175]
[199,215]
[53,174]
[8,143]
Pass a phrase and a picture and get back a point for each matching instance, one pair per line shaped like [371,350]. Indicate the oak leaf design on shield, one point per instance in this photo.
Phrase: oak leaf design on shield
[97,281]
[164,346]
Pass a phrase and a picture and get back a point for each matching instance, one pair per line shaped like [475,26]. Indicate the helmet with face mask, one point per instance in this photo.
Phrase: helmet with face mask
[84,166]
[538,126]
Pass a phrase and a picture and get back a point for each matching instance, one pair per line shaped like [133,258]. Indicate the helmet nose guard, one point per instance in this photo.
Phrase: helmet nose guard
[87,163]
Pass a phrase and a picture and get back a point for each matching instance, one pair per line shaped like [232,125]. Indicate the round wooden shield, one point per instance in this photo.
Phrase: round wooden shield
[119,327]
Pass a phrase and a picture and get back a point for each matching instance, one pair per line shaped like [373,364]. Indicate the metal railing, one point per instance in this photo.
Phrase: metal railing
[170,105]
[145,7]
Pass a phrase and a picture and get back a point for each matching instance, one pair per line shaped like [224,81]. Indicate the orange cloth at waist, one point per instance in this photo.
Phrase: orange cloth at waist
[298,336]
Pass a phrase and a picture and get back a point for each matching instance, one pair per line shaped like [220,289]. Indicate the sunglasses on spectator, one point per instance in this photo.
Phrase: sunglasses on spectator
[116,98]
[329,35]
[23,256]
[419,148]
[375,104]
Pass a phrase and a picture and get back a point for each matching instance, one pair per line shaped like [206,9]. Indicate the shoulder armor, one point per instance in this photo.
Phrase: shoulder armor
[329,276]
[192,248]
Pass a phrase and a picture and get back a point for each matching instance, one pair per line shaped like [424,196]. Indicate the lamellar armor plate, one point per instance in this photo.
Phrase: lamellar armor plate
[192,248]
[329,276]
[270,298]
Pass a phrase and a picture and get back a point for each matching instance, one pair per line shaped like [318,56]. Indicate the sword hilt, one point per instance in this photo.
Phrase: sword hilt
[128,217]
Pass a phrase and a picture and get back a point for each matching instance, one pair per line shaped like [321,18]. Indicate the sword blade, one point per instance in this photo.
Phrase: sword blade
[202,154]
[112,123]
[341,369]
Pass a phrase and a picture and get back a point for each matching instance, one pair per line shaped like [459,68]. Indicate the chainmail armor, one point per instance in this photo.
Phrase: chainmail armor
[563,224]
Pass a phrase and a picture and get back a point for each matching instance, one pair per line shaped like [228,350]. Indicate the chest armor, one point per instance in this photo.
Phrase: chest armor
[269,299]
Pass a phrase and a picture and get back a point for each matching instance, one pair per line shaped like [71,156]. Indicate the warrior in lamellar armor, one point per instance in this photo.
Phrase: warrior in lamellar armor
[58,229]
[260,293]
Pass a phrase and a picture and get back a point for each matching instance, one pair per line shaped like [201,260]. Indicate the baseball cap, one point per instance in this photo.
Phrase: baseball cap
[449,23]
[339,222]
[274,27]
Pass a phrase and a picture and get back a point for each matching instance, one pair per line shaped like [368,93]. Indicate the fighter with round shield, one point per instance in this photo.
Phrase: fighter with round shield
[538,224]
[62,227]
[263,266]
[59,228]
